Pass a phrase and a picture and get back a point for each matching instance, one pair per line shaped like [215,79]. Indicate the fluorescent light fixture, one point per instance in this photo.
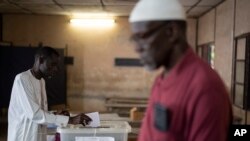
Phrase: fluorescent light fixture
[92,15]
[93,22]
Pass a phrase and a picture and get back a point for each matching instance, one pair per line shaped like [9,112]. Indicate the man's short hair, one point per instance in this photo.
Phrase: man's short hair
[46,52]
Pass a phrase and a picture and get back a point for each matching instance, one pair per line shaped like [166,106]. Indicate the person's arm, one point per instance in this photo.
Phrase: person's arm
[32,109]
[210,117]
[78,119]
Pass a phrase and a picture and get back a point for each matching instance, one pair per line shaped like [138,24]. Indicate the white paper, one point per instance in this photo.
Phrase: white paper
[95,119]
[94,139]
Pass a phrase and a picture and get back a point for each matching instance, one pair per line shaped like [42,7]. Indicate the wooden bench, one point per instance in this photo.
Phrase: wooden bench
[122,106]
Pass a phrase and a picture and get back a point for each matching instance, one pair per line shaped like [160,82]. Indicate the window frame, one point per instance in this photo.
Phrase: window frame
[205,48]
[246,88]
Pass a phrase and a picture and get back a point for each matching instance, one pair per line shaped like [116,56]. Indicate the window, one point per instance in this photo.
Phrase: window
[240,84]
[206,51]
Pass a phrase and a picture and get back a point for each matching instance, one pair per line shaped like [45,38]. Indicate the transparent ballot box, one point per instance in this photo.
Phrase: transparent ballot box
[95,139]
[116,129]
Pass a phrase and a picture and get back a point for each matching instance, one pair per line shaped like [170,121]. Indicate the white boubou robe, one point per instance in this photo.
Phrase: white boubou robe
[28,110]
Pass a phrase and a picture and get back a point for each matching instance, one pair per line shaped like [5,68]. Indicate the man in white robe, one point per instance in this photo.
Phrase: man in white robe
[28,110]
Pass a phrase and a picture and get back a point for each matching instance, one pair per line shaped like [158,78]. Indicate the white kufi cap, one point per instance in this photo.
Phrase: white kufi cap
[157,10]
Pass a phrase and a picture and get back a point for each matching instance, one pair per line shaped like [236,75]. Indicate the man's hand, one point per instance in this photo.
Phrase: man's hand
[80,119]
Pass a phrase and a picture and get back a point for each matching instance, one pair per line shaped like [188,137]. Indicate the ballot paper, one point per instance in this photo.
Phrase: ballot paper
[95,119]
[94,139]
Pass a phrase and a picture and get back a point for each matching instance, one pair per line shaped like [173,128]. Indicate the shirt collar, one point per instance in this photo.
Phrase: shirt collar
[184,62]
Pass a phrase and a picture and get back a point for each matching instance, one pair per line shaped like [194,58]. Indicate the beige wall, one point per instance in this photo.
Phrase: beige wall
[93,76]
[242,19]
[224,41]
[206,28]
[191,32]
[212,28]
[225,30]
[242,26]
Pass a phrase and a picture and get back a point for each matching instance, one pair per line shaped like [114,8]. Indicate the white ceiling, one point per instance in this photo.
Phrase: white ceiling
[194,8]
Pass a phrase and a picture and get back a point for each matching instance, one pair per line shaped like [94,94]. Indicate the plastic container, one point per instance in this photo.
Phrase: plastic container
[117,129]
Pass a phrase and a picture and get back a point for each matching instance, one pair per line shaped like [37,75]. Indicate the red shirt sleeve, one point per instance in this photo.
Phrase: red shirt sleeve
[209,122]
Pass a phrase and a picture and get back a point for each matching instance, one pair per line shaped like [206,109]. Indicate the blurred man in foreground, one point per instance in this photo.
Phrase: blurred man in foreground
[189,101]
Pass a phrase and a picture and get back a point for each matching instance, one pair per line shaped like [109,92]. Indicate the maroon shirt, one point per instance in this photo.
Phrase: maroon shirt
[198,104]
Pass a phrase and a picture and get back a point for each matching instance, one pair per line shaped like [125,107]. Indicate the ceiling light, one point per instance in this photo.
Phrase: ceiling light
[93,22]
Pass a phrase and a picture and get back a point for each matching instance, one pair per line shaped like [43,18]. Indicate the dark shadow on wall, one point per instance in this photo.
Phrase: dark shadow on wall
[14,60]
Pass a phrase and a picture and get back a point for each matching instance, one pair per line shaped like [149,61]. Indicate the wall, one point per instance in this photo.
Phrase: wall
[242,19]
[242,26]
[93,76]
[231,19]
[206,26]
[218,26]
[191,32]
[224,41]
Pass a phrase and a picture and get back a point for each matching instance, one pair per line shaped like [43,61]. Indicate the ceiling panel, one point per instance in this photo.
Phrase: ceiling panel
[186,8]
[119,10]
[197,11]
[117,7]
[7,8]
[43,9]
[79,2]
[209,2]
[188,2]
[2,1]
[31,1]
[120,2]
[83,9]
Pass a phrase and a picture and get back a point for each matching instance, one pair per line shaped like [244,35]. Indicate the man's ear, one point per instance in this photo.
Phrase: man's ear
[174,32]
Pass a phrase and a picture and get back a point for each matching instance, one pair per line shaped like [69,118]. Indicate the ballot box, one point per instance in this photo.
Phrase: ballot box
[115,129]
